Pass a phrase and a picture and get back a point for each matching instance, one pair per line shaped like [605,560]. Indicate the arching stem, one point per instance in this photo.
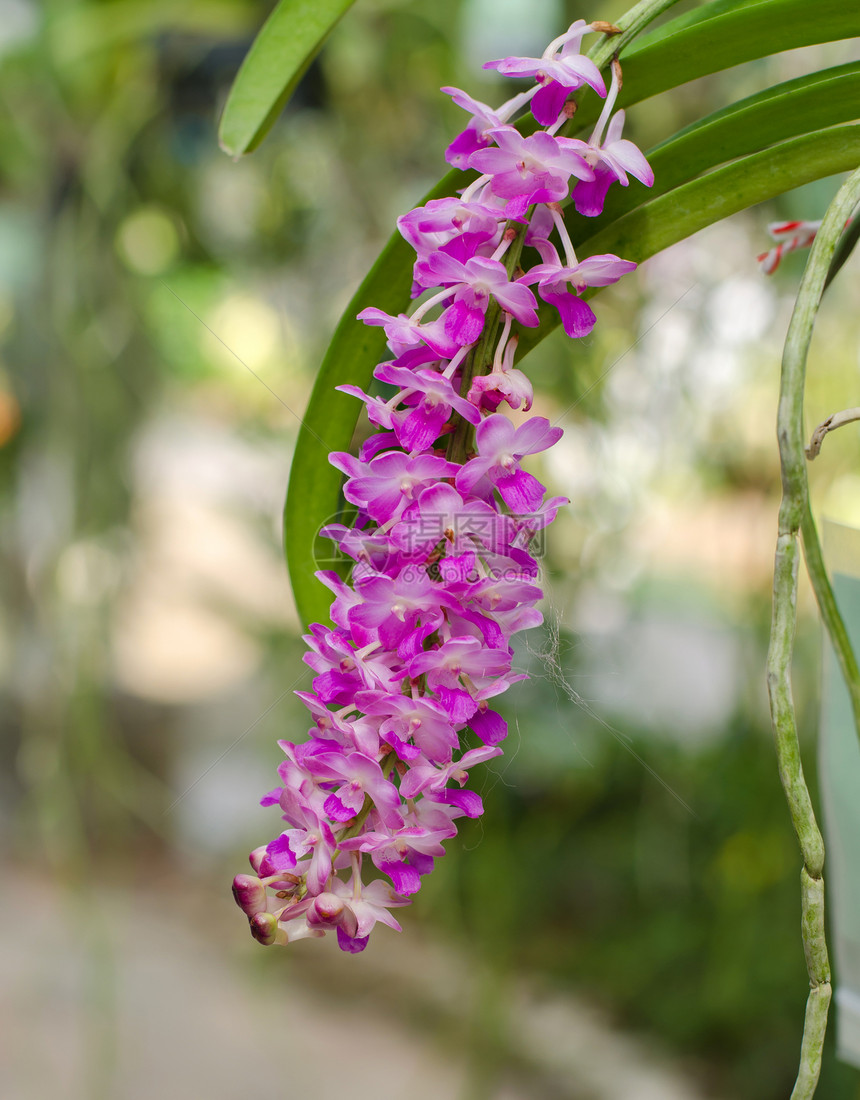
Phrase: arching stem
[795,516]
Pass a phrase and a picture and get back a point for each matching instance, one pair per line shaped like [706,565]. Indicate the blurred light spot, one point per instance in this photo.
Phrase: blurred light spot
[147,241]
[21,246]
[7,310]
[497,28]
[170,650]
[740,310]
[842,501]
[18,22]
[231,196]
[677,677]
[87,572]
[251,330]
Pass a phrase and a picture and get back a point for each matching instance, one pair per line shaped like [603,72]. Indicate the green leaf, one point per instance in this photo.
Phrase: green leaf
[78,31]
[314,494]
[712,37]
[720,35]
[672,217]
[288,42]
[314,497]
[813,102]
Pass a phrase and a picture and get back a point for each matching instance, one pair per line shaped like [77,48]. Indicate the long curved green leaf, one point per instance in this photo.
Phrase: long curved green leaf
[314,496]
[807,103]
[720,35]
[75,32]
[672,217]
[288,42]
[813,102]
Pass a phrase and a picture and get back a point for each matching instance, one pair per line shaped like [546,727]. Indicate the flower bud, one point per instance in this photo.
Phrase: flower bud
[264,929]
[250,894]
[325,911]
[257,856]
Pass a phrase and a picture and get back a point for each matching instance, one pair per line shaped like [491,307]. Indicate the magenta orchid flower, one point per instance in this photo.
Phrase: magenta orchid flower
[526,170]
[554,279]
[435,401]
[501,448]
[391,481]
[402,333]
[611,158]
[474,283]
[476,135]
[557,74]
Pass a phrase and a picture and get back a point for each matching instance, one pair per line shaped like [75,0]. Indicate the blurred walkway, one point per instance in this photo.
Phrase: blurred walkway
[136,1000]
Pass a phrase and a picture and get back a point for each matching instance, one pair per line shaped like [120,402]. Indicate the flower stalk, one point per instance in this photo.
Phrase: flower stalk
[795,517]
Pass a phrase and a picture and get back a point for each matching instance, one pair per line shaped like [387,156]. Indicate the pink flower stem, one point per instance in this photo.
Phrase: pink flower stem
[502,344]
[425,307]
[457,360]
[570,255]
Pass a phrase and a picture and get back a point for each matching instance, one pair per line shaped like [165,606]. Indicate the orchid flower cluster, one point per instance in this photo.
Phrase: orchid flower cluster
[444,570]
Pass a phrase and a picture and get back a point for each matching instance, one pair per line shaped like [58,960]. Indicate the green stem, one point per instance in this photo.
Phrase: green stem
[844,249]
[830,616]
[794,515]
[632,23]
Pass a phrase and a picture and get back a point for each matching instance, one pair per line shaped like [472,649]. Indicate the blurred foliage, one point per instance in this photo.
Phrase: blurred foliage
[658,878]
[122,228]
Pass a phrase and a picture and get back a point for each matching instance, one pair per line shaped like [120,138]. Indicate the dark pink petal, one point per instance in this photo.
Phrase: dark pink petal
[405,878]
[352,944]
[337,810]
[547,103]
[577,317]
[467,801]
[464,323]
[520,491]
[279,855]
[458,704]
[590,195]
[489,726]
[464,145]
[422,426]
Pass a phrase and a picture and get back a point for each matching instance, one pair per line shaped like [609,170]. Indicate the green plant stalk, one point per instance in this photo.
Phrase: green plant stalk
[794,514]
[844,249]
[830,616]
[631,24]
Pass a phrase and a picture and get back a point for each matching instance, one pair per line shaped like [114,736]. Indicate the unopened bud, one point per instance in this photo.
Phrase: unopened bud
[325,911]
[265,930]
[257,856]
[250,894]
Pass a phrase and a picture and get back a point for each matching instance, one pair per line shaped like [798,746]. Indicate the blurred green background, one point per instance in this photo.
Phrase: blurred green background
[624,921]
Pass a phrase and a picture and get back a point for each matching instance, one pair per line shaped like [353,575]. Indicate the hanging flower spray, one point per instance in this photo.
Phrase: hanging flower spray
[444,569]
